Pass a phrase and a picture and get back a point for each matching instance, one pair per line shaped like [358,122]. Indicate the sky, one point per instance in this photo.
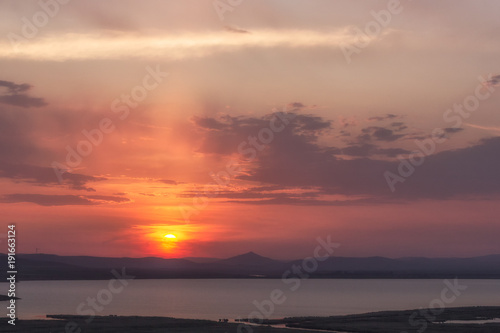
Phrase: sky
[237,126]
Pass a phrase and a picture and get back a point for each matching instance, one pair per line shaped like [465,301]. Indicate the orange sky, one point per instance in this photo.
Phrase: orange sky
[254,132]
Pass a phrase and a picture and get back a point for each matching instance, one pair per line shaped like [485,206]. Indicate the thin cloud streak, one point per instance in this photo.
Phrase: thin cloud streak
[486,128]
[87,46]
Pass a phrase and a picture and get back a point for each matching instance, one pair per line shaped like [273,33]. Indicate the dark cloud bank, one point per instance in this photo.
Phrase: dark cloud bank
[296,159]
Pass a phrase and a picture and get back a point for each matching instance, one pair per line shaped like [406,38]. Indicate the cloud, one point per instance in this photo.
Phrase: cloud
[312,123]
[261,192]
[359,150]
[60,200]
[391,152]
[15,88]
[494,81]
[399,125]
[366,149]
[487,128]
[223,135]
[301,157]
[379,134]
[471,171]
[296,105]
[168,181]
[235,29]
[15,95]
[344,134]
[31,141]
[311,202]
[107,198]
[453,129]
[209,123]
[384,117]
[169,46]
[299,202]
[347,122]
[46,200]
[45,176]
[296,158]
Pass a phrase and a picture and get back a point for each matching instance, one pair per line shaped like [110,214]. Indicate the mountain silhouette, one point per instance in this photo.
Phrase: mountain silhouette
[249,258]
[251,265]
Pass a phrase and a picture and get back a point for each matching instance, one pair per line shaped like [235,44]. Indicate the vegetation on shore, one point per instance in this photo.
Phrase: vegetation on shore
[411,321]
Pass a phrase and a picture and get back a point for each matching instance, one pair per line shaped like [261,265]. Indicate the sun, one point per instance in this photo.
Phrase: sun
[170,236]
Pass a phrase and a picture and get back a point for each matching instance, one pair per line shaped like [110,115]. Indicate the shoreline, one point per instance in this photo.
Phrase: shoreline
[373,322]
[5,298]
[494,277]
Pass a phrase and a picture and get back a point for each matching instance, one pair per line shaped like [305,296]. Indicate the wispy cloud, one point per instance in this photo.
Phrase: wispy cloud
[16,95]
[494,81]
[124,45]
[487,128]
[231,28]
[61,200]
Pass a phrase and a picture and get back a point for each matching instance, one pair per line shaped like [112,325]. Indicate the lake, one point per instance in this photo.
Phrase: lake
[237,298]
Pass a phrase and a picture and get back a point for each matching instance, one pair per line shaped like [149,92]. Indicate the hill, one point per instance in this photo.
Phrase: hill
[250,265]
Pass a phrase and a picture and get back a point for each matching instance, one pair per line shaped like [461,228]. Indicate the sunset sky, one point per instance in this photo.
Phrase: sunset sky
[149,105]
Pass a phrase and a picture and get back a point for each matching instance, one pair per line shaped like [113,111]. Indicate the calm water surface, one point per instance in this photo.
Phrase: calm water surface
[230,298]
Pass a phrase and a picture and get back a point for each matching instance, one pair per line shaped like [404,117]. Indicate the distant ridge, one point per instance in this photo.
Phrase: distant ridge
[200,260]
[251,265]
[249,258]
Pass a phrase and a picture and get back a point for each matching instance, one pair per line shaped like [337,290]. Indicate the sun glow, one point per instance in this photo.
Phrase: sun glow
[167,240]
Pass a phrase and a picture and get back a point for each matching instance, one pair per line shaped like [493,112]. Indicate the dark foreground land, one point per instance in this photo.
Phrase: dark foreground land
[422,320]
[119,324]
